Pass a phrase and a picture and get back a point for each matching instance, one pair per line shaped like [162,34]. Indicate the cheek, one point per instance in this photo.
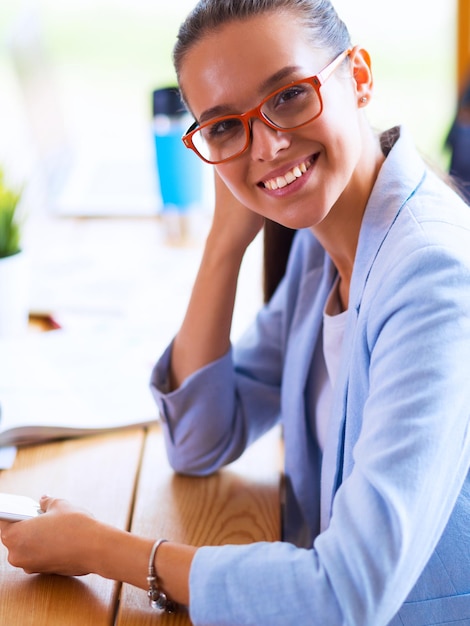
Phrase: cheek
[235,178]
[342,139]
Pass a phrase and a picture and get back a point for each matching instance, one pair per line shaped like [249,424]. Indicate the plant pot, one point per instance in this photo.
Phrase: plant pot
[14,295]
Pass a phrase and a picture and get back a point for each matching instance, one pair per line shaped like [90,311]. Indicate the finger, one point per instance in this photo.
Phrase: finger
[46,502]
[50,504]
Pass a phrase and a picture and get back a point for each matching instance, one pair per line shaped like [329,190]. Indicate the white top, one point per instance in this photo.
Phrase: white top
[326,363]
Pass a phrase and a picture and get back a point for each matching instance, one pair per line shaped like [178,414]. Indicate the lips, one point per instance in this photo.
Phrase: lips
[279,182]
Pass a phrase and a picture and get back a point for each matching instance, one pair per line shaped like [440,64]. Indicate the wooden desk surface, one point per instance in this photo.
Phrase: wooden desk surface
[124,479]
[98,473]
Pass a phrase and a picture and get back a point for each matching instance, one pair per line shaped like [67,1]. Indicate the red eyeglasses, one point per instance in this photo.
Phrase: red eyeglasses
[292,106]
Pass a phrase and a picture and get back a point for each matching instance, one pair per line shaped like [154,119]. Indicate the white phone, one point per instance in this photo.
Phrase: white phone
[14,508]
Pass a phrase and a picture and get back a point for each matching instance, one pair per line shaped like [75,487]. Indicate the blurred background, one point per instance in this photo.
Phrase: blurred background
[77,75]
[76,79]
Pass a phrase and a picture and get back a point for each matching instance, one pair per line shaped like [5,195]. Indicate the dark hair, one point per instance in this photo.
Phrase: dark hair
[327,31]
[277,240]
[319,16]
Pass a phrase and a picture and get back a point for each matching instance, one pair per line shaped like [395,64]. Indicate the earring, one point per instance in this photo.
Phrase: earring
[363,100]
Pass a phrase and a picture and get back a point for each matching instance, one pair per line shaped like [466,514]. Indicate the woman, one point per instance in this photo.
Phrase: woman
[361,353]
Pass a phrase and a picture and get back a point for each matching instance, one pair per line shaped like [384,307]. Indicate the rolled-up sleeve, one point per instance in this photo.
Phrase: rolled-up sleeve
[199,420]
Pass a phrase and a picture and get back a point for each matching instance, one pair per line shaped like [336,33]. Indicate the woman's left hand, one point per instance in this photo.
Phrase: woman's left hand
[59,541]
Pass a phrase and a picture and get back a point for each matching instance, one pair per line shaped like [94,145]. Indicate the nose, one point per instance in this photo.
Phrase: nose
[267,142]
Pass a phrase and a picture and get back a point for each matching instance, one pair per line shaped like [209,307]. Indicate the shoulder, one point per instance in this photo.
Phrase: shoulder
[415,232]
[412,207]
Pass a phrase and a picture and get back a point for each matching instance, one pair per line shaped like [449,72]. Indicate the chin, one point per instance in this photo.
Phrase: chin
[296,215]
[297,221]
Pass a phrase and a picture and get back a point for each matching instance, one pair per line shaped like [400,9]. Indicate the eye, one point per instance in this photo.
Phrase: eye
[222,129]
[290,95]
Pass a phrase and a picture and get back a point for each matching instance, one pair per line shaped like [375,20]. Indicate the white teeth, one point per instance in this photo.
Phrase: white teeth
[290,177]
[282,181]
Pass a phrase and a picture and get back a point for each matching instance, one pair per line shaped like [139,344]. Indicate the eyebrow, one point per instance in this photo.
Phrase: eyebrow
[266,86]
[271,82]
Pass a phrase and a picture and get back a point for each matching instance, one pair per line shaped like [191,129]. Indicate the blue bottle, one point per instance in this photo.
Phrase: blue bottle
[180,172]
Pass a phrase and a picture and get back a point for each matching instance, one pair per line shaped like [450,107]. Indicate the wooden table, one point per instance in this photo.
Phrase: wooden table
[125,480]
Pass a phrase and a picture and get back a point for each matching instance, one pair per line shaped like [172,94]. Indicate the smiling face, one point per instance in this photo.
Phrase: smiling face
[293,177]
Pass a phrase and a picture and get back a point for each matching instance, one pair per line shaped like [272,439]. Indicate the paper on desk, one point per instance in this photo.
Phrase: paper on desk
[66,384]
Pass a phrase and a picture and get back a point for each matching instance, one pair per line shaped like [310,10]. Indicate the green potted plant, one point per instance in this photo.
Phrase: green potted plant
[10,222]
[13,266]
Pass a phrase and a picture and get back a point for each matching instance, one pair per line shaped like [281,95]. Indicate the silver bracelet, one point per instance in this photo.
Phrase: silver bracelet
[157,599]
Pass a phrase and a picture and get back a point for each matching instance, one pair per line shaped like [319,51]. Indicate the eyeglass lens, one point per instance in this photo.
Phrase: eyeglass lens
[226,137]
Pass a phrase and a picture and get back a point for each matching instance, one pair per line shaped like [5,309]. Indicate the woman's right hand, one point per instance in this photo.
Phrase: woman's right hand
[57,542]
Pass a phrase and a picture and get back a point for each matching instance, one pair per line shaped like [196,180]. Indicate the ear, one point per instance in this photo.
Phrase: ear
[362,75]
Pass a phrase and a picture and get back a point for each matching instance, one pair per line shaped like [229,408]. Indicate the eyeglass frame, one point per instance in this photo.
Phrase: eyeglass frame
[317,81]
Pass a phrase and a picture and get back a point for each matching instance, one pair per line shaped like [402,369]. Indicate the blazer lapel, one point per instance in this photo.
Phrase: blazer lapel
[300,451]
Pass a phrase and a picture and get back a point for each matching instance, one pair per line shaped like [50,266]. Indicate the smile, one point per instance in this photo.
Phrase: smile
[289,177]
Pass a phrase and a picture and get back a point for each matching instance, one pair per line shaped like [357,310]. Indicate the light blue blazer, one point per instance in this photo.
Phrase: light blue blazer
[377,529]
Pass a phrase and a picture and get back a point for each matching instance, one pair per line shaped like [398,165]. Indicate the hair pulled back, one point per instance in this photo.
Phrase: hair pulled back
[327,31]
[319,16]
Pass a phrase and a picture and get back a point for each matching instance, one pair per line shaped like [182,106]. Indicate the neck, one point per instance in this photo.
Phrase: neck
[339,231]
